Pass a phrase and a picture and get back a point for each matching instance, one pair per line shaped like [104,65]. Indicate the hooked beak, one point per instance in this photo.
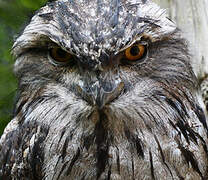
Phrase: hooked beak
[99,94]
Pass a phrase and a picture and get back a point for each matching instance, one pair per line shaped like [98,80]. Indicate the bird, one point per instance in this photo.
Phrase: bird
[106,90]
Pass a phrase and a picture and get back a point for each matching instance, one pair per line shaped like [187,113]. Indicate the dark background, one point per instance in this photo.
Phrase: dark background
[14,16]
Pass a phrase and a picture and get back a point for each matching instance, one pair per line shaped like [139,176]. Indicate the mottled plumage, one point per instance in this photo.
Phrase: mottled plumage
[100,117]
[204,93]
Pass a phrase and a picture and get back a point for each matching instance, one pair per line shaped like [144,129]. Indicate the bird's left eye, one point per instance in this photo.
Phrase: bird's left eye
[59,56]
[135,52]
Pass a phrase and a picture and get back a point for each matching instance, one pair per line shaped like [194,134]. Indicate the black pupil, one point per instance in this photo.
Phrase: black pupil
[61,53]
[134,51]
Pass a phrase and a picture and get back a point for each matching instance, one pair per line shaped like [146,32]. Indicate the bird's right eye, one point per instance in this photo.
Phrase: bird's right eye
[136,52]
[60,57]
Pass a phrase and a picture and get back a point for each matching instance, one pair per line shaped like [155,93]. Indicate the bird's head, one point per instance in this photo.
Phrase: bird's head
[120,58]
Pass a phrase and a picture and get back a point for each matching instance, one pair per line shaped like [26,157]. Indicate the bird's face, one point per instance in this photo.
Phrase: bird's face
[87,61]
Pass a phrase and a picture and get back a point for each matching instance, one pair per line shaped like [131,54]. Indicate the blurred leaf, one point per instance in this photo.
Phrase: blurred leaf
[6,105]
[31,4]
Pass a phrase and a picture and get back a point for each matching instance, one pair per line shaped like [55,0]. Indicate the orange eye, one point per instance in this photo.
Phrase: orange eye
[59,56]
[135,52]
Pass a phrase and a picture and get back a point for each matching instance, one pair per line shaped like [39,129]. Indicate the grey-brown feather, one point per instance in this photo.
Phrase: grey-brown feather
[204,92]
[154,129]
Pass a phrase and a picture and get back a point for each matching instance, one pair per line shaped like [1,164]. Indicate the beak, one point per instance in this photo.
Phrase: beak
[100,93]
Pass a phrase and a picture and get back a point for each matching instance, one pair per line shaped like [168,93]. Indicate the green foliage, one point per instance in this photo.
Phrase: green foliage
[14,14]
[31,4]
